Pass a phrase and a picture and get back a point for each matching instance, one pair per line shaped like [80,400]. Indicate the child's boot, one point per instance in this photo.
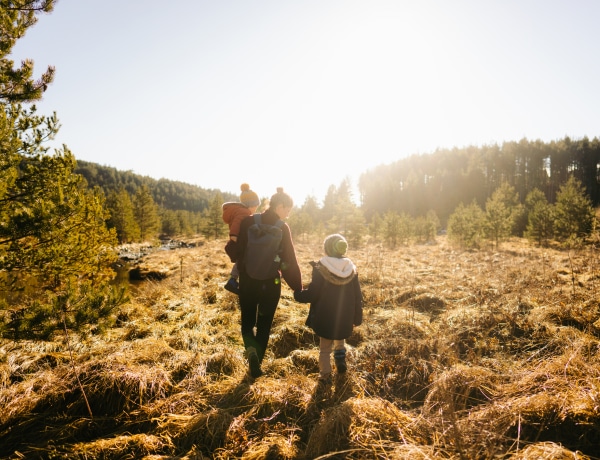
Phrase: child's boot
[339,356]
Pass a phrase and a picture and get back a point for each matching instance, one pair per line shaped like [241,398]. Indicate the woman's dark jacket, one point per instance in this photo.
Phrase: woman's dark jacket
[335,298]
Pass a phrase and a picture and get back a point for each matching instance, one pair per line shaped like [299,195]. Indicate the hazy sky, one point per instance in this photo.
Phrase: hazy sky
[304,93]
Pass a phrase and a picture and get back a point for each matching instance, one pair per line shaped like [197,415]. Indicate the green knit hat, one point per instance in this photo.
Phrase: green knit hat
[335,245]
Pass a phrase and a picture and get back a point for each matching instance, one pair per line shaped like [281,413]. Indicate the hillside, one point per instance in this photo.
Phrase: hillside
[168,194]
[462,355]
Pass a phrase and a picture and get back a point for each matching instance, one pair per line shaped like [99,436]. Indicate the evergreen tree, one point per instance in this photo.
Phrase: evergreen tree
[52,226]
[329,208]
[501,212]
[171,223]
[185,219]
[338,208]
[405,228]
[573,212]
[433,222]
[301,223]
[376,226]
[146,213]
[303,220]
[311,207]
[17,85]
[356,227]
[213,218]
[345,207]
[392,228]
[424,229]
[540,218]
[465,225]
[122,216]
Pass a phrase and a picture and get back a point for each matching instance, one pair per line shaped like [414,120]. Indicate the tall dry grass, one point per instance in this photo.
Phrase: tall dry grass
[462,355]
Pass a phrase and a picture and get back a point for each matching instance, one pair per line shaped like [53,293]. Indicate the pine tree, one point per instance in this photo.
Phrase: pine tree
[170,222]
[146,213]
[303,220]
[392,224]
[122,217]
[501,212]
[301,223]
[52,226]
[213,218]
[356,227]
[375,226]
[573,212]
[540,218]
[465,225]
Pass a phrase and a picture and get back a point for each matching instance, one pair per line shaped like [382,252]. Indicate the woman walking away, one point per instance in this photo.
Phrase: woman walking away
[336,303]
[265,253]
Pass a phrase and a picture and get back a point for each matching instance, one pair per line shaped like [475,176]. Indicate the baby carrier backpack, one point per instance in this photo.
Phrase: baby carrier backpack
[262,251]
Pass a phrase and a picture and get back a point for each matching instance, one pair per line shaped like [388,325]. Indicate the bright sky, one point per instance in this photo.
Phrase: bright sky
[302,94]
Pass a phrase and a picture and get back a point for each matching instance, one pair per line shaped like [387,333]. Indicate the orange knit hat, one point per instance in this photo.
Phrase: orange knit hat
[248,197]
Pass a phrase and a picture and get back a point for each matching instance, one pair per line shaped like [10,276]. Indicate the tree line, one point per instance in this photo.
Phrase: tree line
[417,188]
[141,208]
[441,180]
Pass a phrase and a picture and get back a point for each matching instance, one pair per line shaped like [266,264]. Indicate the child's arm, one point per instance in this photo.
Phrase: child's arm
[358,306]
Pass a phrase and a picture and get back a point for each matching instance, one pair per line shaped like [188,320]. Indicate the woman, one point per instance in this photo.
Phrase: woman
[259,297]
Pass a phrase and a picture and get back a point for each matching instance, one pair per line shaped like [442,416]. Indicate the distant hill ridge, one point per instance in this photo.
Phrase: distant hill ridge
[169,194]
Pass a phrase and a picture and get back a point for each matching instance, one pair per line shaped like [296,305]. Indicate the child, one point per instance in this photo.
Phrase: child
[233,214]
[335,304]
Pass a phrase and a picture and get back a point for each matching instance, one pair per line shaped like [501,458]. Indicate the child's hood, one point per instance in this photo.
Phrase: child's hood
[233,208]
[337,270]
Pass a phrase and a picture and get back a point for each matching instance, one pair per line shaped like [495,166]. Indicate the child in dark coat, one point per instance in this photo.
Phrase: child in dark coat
[335,301]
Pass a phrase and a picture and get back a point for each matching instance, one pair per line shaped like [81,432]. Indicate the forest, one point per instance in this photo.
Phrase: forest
[441,180]
[415,187]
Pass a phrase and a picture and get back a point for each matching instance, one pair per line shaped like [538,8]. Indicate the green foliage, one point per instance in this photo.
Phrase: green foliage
[301,223]
[17,84]
[179,206]
[213,225]
[337,213]
[52,226]
[396,228]
[441,180]
[574,215]
[146,214]
[502,210]
[167,194]
[540,218]
[356,227]
[376,226]
[426,227]
[83,307]
[465,226]
[122,216]
[401,228]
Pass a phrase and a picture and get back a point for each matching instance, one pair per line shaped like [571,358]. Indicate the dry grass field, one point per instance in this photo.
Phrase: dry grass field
[462,355]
